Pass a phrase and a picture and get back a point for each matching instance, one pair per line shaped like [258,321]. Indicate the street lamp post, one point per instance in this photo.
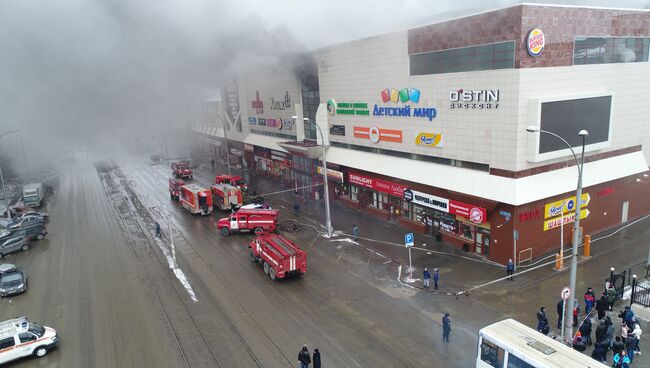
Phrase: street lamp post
[4,191]
[576,225]
[328,220]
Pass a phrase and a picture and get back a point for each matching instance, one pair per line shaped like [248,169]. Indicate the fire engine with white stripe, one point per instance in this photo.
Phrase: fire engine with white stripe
[279,256]
[258,220]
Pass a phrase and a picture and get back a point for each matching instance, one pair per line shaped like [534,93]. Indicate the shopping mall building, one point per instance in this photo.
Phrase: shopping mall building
[427,127]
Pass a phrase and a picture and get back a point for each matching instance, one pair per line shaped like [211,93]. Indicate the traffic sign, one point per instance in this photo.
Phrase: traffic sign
[565,293]
[409,241]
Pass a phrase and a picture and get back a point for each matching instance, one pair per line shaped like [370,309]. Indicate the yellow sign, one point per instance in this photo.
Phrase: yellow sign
[565,206]
[569,218]
[429,139]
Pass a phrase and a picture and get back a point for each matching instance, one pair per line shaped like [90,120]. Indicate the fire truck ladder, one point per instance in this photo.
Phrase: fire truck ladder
[286,247]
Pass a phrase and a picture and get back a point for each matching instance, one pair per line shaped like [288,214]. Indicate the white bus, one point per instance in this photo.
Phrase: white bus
[510,344]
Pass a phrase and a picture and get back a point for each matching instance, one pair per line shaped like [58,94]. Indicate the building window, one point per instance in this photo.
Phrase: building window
[354,192]
[499,55]
[608,50]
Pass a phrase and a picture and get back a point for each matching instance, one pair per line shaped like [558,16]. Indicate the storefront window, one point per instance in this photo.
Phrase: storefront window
[354,192]
[448,223]
[406,210]
[466,231]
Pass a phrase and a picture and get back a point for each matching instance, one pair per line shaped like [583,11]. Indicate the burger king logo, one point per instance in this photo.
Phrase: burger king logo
[535,42]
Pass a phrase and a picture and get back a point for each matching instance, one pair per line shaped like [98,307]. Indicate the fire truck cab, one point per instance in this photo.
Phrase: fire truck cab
[234,180]
[175,188]
[224,196]
[196,199]
[182,169]
[279,256]
[259,221]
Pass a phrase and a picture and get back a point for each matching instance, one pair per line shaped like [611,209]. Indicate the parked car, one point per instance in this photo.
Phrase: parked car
[34,231]
[27,220]
[13,244]
[13,282]
[6,267]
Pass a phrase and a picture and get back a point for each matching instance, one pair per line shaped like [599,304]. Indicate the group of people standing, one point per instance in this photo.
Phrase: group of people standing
[305,358]
[426,278]
[623,346]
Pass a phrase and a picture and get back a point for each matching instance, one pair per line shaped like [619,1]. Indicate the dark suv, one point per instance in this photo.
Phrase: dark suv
[32,231]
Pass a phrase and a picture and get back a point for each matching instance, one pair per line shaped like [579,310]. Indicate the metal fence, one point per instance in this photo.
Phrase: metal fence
[640,294]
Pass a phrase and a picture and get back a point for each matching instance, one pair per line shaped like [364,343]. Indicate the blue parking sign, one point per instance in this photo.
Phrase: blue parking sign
[409,241]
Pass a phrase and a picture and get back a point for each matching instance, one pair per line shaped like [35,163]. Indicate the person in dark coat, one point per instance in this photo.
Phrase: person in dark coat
[601,331]
[157,230]
[355,232]
[426,277]
[579,345]
[599,352]
[618,345]
[560,307]
[585,330]
[316,359]
[510,269]
[303,357]
[446,327]
[601,306]
[541,316]
[545,327]
[436,277]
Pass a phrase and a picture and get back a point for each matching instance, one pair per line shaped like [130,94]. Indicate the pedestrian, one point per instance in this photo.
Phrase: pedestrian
[446,327]
[303,357]
[541,316]
[296,208]
[157,230]
[545,327]
[630,343]
[602,306]
[576,312]
[560,309]
[611,296]
[610,331]
[585,330]
[590,300]
[618,345]
[578,343]
[601,331]
[355,232]
[637,334]
[426,277]
[510,269]
[316,359]
[621,360]
[212,162]
[436,277]
[599,352]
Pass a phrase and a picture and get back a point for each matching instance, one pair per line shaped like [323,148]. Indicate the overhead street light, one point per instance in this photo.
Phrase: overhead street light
[328,220]
[4,191]
[568,329]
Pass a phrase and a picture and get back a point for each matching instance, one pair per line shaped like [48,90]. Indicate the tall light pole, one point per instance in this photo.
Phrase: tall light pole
[4,191]
[568,316]
[328,220]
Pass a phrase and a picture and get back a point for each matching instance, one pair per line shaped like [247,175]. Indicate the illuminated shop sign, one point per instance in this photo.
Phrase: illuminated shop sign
[252,121]
[474,99]
[261,122]
[257,104]
[535,42]
[332,174]
[475,214]
[429,139]
[377,184]
[567,219]
[347,108]
[565,205]
[375,134]
[281,104]
[403,96]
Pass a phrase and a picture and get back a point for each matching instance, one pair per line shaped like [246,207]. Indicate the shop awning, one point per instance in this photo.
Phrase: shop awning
[265,141]
[482,184]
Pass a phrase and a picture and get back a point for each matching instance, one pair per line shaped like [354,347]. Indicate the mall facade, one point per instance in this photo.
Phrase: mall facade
[427,127]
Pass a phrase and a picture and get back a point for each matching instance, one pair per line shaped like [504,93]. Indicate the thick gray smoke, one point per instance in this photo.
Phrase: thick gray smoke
[103,73]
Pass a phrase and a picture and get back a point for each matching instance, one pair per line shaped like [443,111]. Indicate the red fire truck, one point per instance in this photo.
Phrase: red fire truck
[234,180]
[224,196]
[280,257]
[175,188]
[182,169]
[196,199]
[259,221]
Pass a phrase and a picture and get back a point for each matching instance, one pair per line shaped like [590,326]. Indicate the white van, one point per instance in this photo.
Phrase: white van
[20,338]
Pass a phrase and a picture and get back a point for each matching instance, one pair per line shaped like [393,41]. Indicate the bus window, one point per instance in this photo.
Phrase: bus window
[514,362]
[491,354]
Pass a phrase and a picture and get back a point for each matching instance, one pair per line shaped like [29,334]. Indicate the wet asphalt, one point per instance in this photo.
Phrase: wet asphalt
[103,281]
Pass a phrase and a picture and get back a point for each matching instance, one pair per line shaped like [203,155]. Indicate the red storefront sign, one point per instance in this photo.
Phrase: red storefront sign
[377,184]
[475,214]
